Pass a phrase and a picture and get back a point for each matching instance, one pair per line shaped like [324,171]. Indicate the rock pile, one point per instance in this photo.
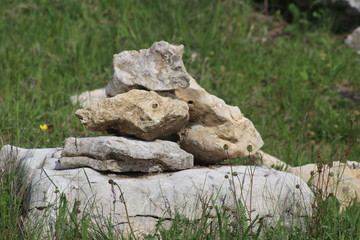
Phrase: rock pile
[151,96]
[162,120]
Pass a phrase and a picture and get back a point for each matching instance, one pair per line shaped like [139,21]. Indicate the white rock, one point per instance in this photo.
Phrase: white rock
[143,114]
[214,124]
[271,195]
[87,98]
[159,68]
[353,39]
[120,154]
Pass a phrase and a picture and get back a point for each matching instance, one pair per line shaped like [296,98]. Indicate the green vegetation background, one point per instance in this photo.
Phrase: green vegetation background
[287,86]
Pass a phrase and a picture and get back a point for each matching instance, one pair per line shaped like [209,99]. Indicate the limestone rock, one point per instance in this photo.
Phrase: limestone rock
[211,145]
[143,114]
[271,195]
[353,39]
[120,154]
[214,124]
[88,98]
[159,68]
[344,184]
[206,108]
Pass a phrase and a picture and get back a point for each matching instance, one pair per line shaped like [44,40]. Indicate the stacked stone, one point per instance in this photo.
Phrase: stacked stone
[150,102]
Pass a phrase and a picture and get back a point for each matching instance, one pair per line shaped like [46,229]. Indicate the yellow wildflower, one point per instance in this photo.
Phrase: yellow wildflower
[44,127]
[323,55]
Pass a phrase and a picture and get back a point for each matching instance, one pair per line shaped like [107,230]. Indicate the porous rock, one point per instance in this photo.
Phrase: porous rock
[140,113]
[87,98]
[214,126]
[265,194]
[159,68]
[213,144]
[121,154]
[340,179]
[206,108]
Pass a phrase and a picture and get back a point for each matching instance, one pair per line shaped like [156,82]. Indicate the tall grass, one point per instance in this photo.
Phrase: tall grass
[285,78]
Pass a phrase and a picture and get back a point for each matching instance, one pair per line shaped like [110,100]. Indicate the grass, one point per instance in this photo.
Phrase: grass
[287,85]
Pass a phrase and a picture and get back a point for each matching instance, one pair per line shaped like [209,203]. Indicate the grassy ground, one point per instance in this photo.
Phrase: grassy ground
[285,78]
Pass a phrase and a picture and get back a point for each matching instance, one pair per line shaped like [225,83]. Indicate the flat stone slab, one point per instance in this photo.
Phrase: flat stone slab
[121,154]
[269,194]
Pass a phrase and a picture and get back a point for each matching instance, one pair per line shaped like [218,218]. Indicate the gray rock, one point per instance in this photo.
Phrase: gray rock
[353,39]
[120,154]
[159,68]
[146,115]
[271,195]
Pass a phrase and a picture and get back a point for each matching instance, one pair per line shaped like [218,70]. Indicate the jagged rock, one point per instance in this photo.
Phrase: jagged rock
[270,195]
[88,98]
[120,154]
[159,68]
[143,114]
[343,182]
[206,108]
[214,124]
[353,39]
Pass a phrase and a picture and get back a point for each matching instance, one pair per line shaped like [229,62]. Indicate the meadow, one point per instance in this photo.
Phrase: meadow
[287,78]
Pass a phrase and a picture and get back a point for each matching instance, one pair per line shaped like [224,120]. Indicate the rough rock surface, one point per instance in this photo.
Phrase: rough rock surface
[214,124]
[159,68]
[144,114]
[353,39]
[213,144]
[345,182]
[271,195]
[121,154]
[206,108]
[88,98]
